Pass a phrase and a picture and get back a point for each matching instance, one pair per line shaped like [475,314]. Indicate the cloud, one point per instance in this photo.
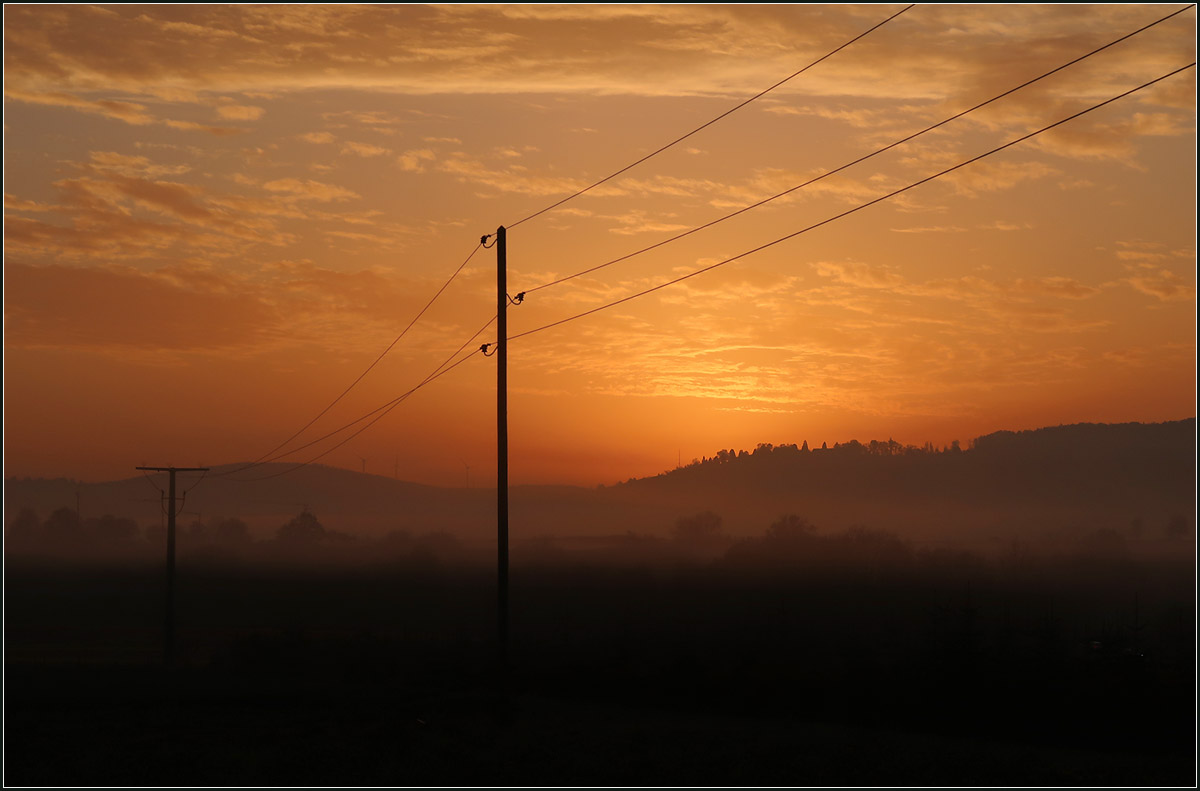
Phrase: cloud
[1163,284]
[860,274]
[131,113]
[413,161]
[513,178]
[1065,287]
[235,112]
[636,222]
[133,165]
[927,54]
[117,206]
[996,176]
[1020,301]
[931,229]
[364,149]
[105,307]
[13,203]
[192,126]
[309,190]
[317,137]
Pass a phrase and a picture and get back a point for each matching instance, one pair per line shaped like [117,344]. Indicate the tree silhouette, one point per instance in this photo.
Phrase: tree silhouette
[25,529]
[302,529]
[62,527]
[701,528]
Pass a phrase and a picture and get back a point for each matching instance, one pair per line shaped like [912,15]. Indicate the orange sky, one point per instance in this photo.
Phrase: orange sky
[217,216]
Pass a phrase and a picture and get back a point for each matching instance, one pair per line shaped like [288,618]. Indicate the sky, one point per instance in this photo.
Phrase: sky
[217,216]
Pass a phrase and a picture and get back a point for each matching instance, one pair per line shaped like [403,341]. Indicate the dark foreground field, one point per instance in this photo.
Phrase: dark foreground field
[1063,672]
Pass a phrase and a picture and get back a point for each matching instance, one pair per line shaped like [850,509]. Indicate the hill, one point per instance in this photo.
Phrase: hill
[1003,485]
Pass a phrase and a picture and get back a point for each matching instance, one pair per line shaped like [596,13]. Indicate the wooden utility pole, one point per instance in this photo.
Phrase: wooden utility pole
[169,620]
[502,449]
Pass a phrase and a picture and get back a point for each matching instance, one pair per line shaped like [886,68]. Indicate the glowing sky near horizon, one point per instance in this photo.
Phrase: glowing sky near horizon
[217,216]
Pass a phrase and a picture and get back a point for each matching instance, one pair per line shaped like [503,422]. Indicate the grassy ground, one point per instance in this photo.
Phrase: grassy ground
[129,726]
[619,677]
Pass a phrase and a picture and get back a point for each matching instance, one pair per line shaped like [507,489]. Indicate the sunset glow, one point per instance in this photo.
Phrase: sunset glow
[216,217]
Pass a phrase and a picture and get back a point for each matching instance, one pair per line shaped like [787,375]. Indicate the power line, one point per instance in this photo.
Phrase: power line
[851,211]
[379,411]
[359,419]
[730,111]
[861,159]
[395,403]
[377,359]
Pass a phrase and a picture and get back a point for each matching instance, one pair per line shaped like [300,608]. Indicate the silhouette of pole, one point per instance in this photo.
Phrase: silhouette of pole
[169,615]
[502,451]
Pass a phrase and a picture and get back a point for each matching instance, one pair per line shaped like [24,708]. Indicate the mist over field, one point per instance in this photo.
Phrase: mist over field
[1060,489]
[1033,592]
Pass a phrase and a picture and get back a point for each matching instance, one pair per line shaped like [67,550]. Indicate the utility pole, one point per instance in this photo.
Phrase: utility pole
[502,453]
[169,621]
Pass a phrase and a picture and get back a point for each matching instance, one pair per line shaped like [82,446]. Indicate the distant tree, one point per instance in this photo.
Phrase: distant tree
[396,541]
[1178,527]
[853,446]
[111,531]
[804,447]
[62,527]
[231,532]
[156,535]
[440,544]
[698,529]
[25,528]
[198,533]
[1104,544]
[789,529]
[301,529]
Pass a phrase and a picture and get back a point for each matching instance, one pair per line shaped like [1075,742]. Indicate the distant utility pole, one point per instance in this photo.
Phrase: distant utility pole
[169,622]
[502,452]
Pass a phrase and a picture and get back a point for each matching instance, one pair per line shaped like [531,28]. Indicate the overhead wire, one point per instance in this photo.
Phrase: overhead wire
[446,366]
[707,124]
[382,354]
[203,475]
[396,402]
[379,412]
[860,207]
[152,483]
[860,160]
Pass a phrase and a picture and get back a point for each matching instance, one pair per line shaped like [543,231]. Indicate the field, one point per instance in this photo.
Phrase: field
[1062,671]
